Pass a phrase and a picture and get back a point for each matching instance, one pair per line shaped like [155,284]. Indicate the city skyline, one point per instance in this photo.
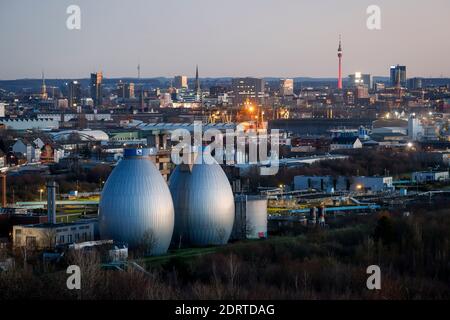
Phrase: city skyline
[294,44]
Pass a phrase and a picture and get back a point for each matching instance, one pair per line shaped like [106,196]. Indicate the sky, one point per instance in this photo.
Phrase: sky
[261,38]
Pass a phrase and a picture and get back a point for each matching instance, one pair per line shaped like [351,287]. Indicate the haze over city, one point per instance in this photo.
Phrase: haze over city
[262,38]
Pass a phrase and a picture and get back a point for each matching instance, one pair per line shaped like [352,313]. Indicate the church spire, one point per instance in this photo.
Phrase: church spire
[43,87]
[197,81]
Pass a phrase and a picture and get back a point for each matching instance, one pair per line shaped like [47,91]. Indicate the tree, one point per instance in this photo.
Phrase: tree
[49,238]
[148,243]
[384,230]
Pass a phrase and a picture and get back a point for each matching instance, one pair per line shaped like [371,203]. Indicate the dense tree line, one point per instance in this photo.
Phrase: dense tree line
[25,187]
[361,162]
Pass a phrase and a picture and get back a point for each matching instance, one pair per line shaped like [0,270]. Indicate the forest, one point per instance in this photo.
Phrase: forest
[411,250]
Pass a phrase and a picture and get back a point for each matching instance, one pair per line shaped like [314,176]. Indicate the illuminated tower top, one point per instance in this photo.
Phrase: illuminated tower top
[340,47]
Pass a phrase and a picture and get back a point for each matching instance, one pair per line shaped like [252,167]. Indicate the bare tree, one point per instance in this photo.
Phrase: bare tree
[221,233]
[48,238]
[249,228]
[148,243]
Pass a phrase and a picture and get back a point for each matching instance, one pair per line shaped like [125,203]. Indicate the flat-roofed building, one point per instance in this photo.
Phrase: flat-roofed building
[47,235]
[251,89]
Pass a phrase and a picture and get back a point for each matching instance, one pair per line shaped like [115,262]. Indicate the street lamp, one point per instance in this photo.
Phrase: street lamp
[40,194]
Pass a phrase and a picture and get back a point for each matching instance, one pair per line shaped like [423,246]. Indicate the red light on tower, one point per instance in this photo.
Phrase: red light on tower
[340,64]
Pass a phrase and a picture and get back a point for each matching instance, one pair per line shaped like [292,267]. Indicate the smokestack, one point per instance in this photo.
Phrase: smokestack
[51,202]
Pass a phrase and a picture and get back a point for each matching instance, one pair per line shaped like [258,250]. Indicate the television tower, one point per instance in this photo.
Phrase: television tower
[340,64]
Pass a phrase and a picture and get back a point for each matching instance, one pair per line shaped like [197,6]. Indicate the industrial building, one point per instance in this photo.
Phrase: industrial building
[330,184]
[429,176]
[52,234]
[345,143]
[136,206]
[250,219]
[49,235]
[204,204]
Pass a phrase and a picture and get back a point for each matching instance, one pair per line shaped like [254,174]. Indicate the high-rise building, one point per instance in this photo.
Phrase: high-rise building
[248,88]
[361,92]
[380,86]
[415,83]
[215,91]
[398,76]
[286,87]
[180,82]
[125,90]
[74,94]
[96,88]
[358,79]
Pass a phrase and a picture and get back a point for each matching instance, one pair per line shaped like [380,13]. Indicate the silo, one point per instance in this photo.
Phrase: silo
[250,219]
[204,204]
[256,220]
[136,206]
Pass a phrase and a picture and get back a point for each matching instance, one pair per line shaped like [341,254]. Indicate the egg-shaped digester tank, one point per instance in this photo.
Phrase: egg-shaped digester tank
[136,206]
[204,204]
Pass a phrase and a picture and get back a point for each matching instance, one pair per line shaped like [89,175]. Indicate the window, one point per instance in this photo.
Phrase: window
[69,238]
[61,239]
[30,242]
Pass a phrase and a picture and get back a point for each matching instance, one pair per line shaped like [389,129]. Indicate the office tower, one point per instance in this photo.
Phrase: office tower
[340,64]
[96,88]
[398,76]
[362,91]
[286,87]
[125,90]
[180,82]
[248,88]
[358,79]
[214,91]
[380,86]
[74,94]
[415,83]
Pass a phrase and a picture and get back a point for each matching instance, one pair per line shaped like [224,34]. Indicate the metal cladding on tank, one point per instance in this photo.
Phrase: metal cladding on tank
[256,218]
[204,205]
[136,206]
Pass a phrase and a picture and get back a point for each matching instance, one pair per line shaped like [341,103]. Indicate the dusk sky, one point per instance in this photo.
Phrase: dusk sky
[282,38]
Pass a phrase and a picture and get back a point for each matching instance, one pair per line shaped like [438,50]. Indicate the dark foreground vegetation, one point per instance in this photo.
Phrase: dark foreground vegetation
[412,252]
